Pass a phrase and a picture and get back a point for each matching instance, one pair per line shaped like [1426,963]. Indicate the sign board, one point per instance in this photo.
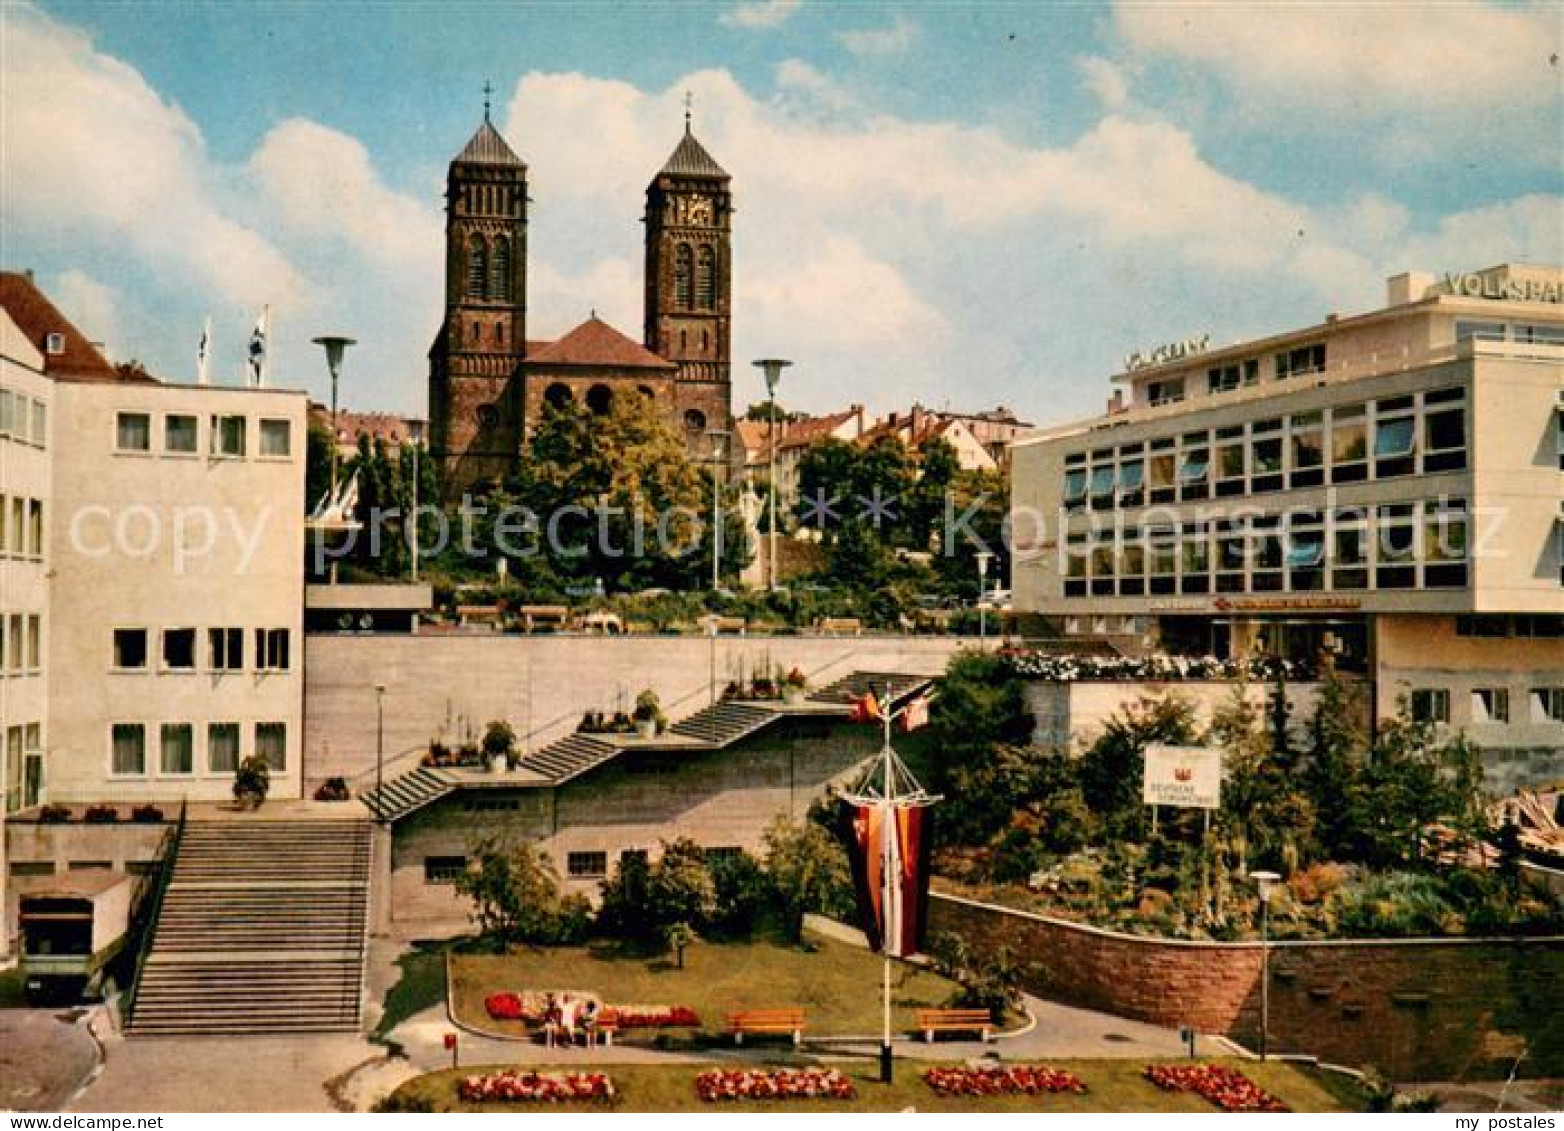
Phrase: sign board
[1187,777]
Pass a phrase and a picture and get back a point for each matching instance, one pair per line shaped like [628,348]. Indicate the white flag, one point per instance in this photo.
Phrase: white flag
[204,354]
[258,347]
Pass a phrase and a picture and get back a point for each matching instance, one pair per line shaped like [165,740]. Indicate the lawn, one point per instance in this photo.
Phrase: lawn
[837,985]
[1112,1085]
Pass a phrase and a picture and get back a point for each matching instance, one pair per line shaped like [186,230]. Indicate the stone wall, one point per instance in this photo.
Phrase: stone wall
[450,686]
[1415,1009]
[1071,714]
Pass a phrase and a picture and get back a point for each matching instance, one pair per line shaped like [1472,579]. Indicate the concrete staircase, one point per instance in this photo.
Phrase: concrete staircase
[262,930]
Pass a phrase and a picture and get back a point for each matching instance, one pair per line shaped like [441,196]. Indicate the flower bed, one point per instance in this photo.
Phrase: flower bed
[517,1086]
[1228,1088]
[717,1086]
[1063,669]
[651,1016]
[1003,1080]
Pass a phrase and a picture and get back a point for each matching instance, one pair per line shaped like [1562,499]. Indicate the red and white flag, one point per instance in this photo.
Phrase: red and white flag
[915,714]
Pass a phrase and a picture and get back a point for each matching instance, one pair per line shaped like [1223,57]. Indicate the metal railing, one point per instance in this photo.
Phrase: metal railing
[149,908]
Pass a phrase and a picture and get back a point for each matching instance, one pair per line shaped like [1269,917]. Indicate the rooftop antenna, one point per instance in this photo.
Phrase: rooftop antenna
[487,90]
[689,100]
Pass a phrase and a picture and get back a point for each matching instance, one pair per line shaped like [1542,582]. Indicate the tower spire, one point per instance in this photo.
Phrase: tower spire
[689,99]
[487,90]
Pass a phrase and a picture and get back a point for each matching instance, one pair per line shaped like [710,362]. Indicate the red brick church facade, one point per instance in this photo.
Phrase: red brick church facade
[489,384]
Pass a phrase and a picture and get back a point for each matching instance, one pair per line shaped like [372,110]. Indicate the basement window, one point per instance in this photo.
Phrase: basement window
[444,869]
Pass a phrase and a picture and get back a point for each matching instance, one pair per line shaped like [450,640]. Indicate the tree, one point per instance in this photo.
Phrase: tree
[1112,768]
[741,890]
[938,467]
[980,725]
[516,892]
[642,902]
[808,871]
[1337,744]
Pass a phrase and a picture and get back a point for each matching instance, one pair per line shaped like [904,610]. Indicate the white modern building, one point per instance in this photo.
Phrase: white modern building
[1385,487]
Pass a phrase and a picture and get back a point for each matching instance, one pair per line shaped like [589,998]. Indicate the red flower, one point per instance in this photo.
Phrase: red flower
[1227,1088]
[1000,1080]
[717,1085]
[503,1007]
[536,1087]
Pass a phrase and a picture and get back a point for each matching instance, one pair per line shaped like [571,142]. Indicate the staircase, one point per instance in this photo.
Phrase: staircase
[723,722]
[261,930]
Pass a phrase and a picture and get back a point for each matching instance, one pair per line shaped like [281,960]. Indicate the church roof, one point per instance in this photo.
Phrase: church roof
[690,159]
[487,147]
[595,342]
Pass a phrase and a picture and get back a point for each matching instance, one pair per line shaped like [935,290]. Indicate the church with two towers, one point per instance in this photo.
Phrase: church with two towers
[489,383]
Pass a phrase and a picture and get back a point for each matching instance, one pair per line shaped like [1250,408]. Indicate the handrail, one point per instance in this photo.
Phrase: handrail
[168,856]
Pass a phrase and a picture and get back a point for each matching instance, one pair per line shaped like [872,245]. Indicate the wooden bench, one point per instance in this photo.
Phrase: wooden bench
[535,616]
[841,626]
[932,1021]
[714,624]
[788,1021]
[488,616]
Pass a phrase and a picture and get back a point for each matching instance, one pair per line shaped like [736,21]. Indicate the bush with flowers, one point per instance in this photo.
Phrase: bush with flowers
[723,1086]
[1003,1080]
[1227,1088]
[519,1086]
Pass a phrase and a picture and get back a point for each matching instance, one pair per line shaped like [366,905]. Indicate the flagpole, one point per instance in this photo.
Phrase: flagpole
[887,889]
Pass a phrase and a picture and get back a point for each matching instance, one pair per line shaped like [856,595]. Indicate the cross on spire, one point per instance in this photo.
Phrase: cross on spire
[689,99]
[487,90]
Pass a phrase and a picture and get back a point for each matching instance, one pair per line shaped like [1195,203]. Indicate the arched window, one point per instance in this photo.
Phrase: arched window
[558,395]
[600,399]
[499,288]
[695,420]
[706,280]
[477,267]
[683,277]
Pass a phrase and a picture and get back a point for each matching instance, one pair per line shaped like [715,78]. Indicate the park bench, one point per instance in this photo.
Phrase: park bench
[788,1021]
[931,1021]
[717,624]
[486,615]
[541,616]
[841,626]
[609,624]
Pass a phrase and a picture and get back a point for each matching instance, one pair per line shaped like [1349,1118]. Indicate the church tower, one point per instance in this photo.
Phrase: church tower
[689,290]
[475,374]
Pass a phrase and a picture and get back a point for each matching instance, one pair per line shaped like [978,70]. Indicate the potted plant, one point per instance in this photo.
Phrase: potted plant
[146,815]
[648,716]
[794,684]
[469,754]
[332,789]
[252,780]
[439,754]
[499,744]
[101,815]
[54,814]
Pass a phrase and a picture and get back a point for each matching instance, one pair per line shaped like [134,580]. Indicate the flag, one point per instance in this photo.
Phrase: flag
[204,353]
[890,874]
[915,714]
[866,709]
[257,351]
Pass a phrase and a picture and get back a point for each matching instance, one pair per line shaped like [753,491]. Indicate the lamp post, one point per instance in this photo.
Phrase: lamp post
[1266,882]
[719,450]
[336,345]
[983,558]
[380,736]
[772,368]
[415,437]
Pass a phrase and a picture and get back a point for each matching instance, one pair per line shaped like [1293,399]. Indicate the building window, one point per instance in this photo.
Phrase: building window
[228,436]
[34,642]
[1430,705]
[1165,392]
[178,748]
[444,869]
[1481,331]
[179,649]
[271,649]
[133,432]
[1226,378]
[179,434]
[130,649]
[1132,476]
[16,648]
[271,744]
[18,544]
[477,267]
[1074,486]
[1300,362]
[1547,704]
[276,439]
[633,856]
[1308,450]
[222,747]
[1444,439]
[1491,705]
[129,748]
[227,648]
[1395,438]
[1349,444]
[35,528]
[586,865]
[499,283]
[684,276]
[1444,545]
[1102,485]
[54,344]
[706,279]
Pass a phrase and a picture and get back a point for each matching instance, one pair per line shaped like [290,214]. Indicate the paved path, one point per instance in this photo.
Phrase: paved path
[45,1055]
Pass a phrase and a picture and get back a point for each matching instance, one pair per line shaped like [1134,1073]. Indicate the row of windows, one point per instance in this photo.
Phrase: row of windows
[35,868]
[1394,436]
[1288,364]
[21,527]
[491,199]
[21,644]
[228,435]
[176,747]
[1509,332]
[23,418]
[1393,546]
[578,865]
[224,649]
[488,269]
[1489,705]
[1522,625]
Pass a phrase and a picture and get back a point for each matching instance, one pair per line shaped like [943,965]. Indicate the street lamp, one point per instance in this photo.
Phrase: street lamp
[336,345]
[415,437]
[380,736]
[719,450]
[983,558]
[772,368]
[1266,882]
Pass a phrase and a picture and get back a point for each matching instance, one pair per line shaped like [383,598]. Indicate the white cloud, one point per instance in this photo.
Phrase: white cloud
[1371,60]
[1105,80]
[894,38]
[92,149]
[94,308]
[760,13]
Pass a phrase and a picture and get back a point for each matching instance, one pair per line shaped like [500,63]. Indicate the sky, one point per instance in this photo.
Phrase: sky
[959,204]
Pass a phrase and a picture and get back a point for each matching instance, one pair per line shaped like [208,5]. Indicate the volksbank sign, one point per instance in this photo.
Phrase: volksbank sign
[1505,289]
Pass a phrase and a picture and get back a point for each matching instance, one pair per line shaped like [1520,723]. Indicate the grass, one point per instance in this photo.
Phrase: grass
[834,983]
[1112,1085]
